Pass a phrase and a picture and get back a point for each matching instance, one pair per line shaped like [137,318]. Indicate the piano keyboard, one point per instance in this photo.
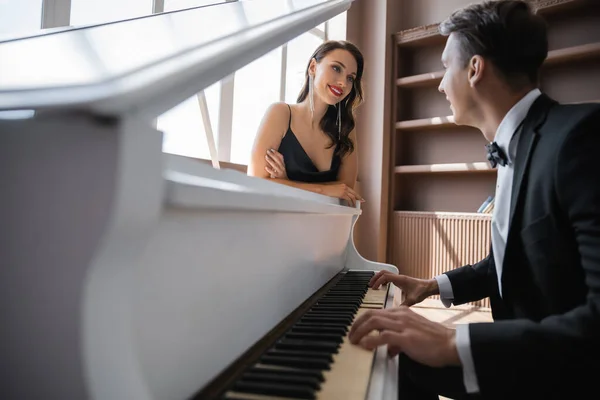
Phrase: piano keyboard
[313,359]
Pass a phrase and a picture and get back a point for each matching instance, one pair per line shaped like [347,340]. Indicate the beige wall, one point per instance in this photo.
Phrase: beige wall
[371,25]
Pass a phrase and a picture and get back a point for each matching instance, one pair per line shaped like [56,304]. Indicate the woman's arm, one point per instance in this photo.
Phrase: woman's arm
[269,135]
[349,168]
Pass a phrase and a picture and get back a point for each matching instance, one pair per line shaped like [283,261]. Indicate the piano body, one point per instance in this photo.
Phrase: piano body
[128,273]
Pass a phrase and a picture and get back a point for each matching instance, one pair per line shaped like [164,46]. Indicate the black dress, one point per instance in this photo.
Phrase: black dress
[298,165]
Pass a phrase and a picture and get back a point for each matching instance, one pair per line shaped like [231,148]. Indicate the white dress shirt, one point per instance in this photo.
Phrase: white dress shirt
[507,140]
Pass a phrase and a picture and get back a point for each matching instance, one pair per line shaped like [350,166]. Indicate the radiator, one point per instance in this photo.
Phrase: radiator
[425,244]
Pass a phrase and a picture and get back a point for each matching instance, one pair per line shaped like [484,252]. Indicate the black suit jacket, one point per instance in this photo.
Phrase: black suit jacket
[545,339]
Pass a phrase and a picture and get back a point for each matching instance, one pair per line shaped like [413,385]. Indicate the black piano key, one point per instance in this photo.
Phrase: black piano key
[332,317]
[339,302]
[300,353]
[311,373]
[351,286]
[319,329]
[273,389]
[299,362]
[354,278]
[346,321]
[342,299]
[328,313]
[334,309]
[329,317]
[344,314]
[320,325]
[313,383]
[355,293]
[333,303]
[309,345]
[325,337]
[350,307]
[321,308]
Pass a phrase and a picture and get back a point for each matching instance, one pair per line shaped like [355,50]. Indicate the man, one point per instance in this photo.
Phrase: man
[543,271]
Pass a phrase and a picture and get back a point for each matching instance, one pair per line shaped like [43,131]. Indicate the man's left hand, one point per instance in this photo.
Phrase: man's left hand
[403,330]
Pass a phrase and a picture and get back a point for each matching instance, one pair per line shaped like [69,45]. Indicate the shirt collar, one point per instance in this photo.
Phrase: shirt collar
[513,119]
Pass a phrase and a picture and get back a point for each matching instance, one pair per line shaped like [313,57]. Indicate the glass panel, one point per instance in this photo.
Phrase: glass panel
[256,87]
[21,61]
[84,12]
[173,5]
[299,51]
[337,27]
[19,17]
[183,127]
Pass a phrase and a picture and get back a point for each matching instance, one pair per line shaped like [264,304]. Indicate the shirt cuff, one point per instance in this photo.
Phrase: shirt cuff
[463,346]
[446,293]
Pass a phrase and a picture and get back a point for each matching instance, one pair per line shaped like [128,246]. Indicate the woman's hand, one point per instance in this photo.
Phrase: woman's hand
[342,191]
[275,165]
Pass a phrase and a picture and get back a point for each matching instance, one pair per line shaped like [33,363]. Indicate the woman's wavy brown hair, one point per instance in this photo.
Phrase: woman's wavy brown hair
[349,103]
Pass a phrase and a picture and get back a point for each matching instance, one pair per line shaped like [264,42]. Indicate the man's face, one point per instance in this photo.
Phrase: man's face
[455,83]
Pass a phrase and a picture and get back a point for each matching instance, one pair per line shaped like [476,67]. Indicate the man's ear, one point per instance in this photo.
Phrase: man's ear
[476,69]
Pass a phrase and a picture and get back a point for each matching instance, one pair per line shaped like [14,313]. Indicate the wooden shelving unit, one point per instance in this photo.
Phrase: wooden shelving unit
[439,167]
[588,51]
[448,168]
[429,34]
[426,123]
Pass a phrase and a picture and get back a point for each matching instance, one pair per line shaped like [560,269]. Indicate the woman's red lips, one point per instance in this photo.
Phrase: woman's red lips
[336,90]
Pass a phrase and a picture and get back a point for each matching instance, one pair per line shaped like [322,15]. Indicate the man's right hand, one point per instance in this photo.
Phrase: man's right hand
[413,290]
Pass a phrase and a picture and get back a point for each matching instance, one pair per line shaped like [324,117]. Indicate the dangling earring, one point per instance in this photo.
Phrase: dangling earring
[311,96]
[339,120]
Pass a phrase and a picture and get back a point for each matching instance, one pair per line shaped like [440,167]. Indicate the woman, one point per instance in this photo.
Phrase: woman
[312,144]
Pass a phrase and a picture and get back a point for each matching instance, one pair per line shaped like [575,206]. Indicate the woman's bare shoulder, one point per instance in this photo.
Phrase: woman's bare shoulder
[278,111]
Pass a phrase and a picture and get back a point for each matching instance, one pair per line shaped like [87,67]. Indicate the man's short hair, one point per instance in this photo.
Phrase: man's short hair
[505,32]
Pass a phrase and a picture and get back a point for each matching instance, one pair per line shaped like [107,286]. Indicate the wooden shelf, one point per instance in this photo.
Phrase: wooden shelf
[426,123]
[440,168]
[444,122]
[421,35]
[575,53]
[422,80]
[429,34]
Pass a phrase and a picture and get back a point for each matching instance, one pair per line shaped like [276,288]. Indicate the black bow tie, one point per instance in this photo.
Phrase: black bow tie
[495,155]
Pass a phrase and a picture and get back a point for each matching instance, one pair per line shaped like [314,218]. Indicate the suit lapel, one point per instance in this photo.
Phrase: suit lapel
[528,137]
[527,140]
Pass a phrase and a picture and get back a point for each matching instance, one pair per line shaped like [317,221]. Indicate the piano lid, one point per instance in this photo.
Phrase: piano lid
[148,65]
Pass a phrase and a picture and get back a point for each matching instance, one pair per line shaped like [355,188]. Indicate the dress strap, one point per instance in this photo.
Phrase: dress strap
[289,122]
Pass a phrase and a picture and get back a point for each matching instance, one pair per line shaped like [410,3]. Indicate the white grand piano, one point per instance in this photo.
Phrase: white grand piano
[127,273]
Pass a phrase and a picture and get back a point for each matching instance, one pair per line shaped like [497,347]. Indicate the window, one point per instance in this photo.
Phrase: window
[173,5]
[238,104]
[257,85]
[88,12]
[299,51]
[337,27]
[183,128]
[19,17]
